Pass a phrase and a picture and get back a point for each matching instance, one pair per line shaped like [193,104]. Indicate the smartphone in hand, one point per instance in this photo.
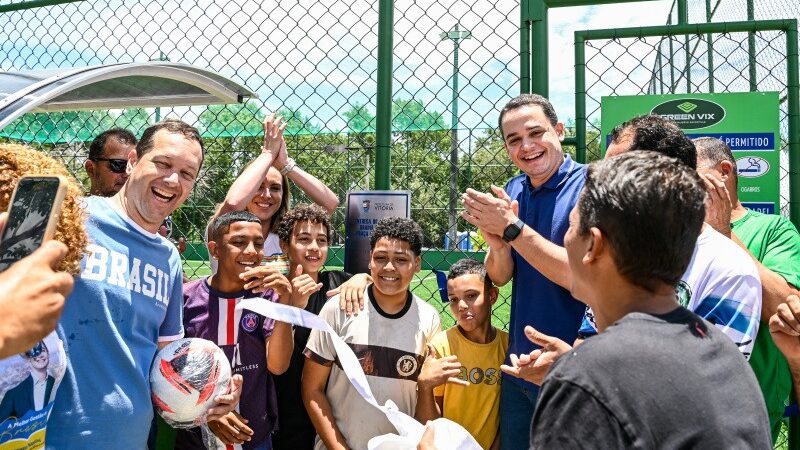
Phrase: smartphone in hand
[32,216]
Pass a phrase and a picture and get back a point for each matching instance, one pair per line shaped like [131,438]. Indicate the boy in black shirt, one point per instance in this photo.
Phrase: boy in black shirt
[657,375]
[304,233]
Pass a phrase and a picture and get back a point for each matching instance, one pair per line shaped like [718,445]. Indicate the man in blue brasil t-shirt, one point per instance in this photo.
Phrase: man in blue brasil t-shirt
[127,299]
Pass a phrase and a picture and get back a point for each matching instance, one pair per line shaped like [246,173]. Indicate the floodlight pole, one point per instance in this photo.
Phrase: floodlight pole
[751,48]
[383,109]
[455,35]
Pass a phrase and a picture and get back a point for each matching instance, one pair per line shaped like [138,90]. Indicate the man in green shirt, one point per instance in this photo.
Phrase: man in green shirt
[775,243]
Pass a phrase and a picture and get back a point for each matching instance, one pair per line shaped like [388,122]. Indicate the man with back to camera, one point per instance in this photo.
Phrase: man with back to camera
[542,197]
[626,266]
[107,161]
[127,299]
[774,243]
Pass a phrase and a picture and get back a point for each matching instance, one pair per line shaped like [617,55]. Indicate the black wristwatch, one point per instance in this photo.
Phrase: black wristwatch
[513,230]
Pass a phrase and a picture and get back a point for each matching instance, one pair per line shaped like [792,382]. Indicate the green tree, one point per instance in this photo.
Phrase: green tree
[359,119]
[361,126]
[59,127]
[134,120]
[411,115]
[489,163]
[235,120]
[420,164]
[297,123]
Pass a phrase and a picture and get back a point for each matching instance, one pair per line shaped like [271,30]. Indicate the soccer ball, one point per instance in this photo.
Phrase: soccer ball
[185,378]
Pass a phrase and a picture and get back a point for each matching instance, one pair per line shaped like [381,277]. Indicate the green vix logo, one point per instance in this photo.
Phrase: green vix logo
[690,113]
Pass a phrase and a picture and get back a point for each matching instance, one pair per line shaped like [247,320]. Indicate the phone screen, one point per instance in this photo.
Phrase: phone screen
[27,219]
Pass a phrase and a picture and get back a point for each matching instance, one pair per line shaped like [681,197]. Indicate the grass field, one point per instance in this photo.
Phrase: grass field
[424,286]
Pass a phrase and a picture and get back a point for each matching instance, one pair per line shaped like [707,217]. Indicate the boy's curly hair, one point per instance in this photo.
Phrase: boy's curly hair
[17,161]
[398,228]
[304,211]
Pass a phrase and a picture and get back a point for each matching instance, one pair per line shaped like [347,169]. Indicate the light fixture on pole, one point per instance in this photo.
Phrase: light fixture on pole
[455,35]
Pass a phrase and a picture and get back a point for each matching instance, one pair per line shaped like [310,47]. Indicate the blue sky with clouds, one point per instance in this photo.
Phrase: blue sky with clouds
[319,56]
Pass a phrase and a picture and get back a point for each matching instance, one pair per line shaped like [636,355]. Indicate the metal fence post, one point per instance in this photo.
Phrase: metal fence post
[580,98]
[710,50]
[683,19]
[540,70]
[751,48]
[383,110]
[793,91]
[683,12]
[672,83]
[524,48]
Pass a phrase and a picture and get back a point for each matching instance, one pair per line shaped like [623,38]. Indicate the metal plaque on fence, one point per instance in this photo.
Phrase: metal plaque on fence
[747,122]
[364,210]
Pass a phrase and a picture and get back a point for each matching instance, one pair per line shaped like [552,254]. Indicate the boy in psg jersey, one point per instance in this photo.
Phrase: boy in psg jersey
[256,346]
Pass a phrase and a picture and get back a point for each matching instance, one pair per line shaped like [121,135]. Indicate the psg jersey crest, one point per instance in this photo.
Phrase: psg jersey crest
[250,322]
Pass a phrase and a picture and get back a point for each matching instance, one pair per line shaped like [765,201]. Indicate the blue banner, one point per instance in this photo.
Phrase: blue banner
[765,208]
[759,142]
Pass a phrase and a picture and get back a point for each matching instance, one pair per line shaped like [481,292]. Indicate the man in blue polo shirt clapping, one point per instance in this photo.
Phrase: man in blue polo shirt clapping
[533,209]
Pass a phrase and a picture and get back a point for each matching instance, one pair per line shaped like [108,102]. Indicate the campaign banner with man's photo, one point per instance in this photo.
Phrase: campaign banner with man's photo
[28,385]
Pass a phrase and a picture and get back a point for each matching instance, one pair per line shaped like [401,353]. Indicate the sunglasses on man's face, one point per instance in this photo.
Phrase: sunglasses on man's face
[116,165]
[37,350]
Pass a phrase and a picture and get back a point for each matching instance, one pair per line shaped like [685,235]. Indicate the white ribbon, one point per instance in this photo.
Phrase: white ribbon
[448,434]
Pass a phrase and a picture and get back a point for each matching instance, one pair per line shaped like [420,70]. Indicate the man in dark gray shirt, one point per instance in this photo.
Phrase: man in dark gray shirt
[657,375]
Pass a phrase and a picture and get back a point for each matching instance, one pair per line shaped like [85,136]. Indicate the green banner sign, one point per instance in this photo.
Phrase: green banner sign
[748,122]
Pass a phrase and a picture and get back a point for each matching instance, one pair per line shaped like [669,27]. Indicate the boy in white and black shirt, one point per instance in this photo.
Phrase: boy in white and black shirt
[389,337]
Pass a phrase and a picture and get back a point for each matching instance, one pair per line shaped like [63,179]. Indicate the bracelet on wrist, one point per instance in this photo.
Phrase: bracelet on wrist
[290,166]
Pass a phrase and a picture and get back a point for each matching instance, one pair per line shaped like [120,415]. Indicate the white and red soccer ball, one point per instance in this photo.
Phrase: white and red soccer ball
[185,378]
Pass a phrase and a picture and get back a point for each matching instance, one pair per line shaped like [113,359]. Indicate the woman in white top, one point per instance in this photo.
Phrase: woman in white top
[263,189]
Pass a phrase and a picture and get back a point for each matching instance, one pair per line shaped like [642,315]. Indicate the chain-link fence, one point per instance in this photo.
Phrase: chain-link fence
[687,64]
[763,57]
[737,10]
[315,62]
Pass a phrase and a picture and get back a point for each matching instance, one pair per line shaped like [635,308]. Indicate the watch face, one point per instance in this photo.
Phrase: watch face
[511,232]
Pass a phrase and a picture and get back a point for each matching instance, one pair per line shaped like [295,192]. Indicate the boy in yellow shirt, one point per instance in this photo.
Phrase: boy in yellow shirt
[460,379]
